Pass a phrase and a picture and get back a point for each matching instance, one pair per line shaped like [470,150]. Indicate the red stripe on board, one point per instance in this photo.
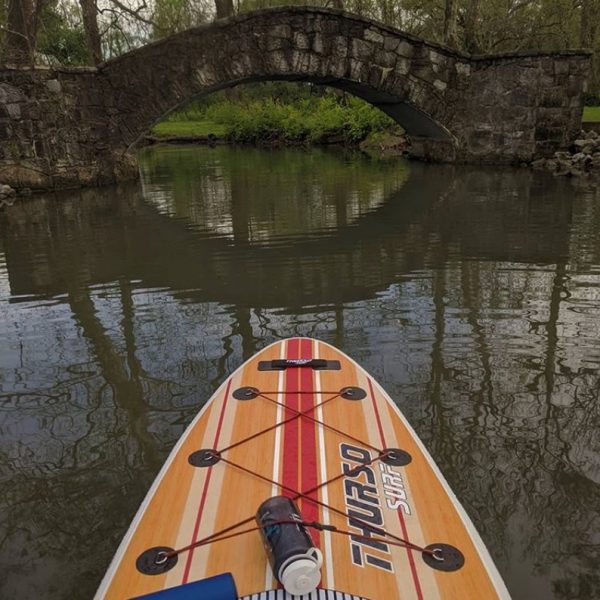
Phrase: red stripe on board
[290,471]
[188,564]
[308,437]
[411,559]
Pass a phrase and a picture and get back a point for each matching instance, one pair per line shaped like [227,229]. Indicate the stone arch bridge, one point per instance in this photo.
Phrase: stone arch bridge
[64,127]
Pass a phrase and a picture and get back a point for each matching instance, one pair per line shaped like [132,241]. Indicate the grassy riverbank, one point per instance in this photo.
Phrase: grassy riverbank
[591,114]
[326,118]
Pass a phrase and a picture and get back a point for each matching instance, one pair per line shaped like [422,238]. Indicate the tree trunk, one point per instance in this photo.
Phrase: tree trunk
[224,8]
[590,13]
[21,36]
[471,20]
[450,17]
[337,4]
[89,12]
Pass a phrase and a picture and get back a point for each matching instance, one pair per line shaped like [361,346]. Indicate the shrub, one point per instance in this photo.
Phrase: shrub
[313,118]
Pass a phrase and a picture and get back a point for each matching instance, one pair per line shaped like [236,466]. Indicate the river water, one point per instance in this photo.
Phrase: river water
[472,295]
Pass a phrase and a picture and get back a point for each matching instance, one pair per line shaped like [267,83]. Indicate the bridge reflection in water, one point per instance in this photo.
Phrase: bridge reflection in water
[472,295]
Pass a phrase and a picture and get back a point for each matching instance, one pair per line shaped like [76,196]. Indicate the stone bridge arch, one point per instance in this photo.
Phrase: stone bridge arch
[416,83]
[77,126]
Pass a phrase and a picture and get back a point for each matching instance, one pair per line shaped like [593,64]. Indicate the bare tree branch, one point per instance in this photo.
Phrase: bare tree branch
[136,14]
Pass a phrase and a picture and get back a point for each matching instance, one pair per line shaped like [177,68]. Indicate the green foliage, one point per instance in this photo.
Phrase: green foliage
[304,118]
[60,39]
[171,16]
[591,99]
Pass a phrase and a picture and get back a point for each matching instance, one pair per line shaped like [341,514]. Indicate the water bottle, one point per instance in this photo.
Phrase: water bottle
[295,561]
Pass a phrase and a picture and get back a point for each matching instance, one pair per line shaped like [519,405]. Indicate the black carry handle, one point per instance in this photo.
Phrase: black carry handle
[318,364]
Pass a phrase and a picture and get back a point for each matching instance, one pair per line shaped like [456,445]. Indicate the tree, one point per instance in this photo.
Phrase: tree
[224,8]
[89,13]
[450,18]
[61,37]
[21,31]
[471,23]
[589,26]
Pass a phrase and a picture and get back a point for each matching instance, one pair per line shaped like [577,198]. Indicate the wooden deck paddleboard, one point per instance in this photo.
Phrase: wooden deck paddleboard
[351,454]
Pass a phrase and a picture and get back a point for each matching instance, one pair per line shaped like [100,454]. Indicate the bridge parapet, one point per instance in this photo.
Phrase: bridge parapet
[70,127]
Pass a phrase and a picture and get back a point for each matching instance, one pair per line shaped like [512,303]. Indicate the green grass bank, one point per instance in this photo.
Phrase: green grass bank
[591,114]
[316,119]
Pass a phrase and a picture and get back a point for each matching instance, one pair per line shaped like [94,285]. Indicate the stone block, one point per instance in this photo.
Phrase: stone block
[317,44]
[547,65]
[576,102]
[361,49]
[402,66]
[575,66]
[357,70]
[276,43]
[374,76]
[423,70]
[385,59]
[281,31]
[340,46]
[6,130]
[54,86]
[315,65]
[523,97]
[462,69]
[73,150]
[373,35]
[9,94]
[390,43]
[437,58]
[318,23]
[279,62]
[300,61]
[480,140]
[575,87]
[14,110]
[26,150]
[545,133]
[553,97]
[521,116]
[330,26]
[405,49]
[338,68]
[38,147]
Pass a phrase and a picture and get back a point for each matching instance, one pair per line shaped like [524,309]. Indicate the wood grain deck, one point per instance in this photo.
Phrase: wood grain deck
[413,502]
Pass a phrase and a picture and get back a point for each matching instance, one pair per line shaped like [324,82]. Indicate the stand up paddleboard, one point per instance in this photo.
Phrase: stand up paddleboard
[302,464]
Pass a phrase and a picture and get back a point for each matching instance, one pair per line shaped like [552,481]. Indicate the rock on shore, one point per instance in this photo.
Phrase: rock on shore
[7,195]
[582,159]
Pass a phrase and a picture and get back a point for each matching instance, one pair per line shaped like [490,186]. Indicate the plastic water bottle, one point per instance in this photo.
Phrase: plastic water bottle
[295,561]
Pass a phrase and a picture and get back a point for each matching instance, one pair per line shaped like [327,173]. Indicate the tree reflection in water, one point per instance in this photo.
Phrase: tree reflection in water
[471,294]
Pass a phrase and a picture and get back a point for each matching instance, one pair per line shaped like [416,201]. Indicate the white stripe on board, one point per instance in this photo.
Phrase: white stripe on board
[276,450]
[323,467]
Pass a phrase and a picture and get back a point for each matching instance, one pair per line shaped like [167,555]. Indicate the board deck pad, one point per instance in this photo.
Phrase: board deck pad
[318,428]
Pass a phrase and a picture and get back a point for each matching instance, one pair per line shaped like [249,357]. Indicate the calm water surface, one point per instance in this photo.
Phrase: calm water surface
[472,295]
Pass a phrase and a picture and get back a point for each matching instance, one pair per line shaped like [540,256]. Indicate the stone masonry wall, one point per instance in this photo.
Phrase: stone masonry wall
[71,127]
[53,129]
